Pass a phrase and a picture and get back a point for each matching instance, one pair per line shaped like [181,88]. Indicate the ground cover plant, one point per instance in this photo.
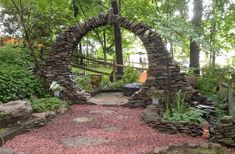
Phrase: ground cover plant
[48,104]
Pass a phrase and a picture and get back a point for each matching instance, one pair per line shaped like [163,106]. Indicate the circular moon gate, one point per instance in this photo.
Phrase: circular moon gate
[162,72]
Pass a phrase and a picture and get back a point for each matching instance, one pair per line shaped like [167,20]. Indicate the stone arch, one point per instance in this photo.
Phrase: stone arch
[58,63]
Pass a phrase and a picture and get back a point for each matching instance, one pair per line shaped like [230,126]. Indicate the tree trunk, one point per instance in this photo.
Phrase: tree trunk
[105,46]
[194,46]
[118,40]
[194,57]
[212,39]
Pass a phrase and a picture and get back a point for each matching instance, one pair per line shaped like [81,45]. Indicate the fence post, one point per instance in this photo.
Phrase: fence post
[114,70]
[230,97]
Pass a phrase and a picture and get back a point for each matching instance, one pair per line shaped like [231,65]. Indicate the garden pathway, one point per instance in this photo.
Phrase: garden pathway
[109,99]
[87,129]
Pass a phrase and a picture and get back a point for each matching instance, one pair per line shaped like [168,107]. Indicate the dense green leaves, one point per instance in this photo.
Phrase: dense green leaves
[192,115]
[211,77]
[48,104]
[16,80]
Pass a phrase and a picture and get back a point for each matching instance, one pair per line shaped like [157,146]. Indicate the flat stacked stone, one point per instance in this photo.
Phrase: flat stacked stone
[225,131]
[152,117]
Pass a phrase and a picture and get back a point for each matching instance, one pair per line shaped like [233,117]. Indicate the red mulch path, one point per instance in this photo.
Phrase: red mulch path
[135,136]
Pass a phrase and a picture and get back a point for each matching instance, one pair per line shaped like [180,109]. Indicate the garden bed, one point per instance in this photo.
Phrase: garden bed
[152,116]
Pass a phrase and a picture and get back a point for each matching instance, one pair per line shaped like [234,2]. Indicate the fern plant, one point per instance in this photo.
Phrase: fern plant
[180,102]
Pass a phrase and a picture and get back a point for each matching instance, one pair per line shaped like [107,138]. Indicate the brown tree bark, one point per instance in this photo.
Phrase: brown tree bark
[105,46]
[194,46]
[118,40]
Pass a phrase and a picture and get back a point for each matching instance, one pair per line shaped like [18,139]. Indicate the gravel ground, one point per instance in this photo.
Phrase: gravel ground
[110,133]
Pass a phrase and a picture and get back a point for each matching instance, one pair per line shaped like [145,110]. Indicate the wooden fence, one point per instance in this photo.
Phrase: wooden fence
[92,64]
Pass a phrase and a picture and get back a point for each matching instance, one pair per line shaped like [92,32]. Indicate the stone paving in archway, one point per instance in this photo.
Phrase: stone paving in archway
[87,129]
[109,99]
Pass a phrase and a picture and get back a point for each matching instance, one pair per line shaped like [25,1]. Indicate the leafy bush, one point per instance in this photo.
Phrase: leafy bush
[19,84]
[16,81]
[208,84]
[48,104]
[15,56]
[130,75]
[105,81]
[220,102]
[210,77]
[84,82]
[107,84]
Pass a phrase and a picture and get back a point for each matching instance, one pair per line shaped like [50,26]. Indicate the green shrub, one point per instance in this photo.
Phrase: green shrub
[16,80]
[48,104]
[84,82]
[107,84]
[220,102]
[211,75]
[15,56]
[17,83]
[130,75]
[105,81]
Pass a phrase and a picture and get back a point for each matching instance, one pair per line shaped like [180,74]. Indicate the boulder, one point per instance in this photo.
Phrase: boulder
[15,111]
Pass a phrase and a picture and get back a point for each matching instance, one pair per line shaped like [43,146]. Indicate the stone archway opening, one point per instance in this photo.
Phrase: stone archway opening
[162,72]
[94,57]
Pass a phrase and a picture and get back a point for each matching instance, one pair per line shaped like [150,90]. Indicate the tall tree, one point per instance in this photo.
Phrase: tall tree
[118,39]
[195,46]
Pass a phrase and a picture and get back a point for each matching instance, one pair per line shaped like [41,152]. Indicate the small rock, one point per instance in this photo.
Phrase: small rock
[226,120]
[160,150]
[62,110]
[6,151]
[227,141]
[50,115]
[215,146]
[219,124]
[82,119]
[40,115]
[204,145]
[83,141]
[113,128]
[193,145]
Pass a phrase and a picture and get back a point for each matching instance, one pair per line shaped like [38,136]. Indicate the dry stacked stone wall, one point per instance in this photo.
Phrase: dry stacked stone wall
[225,131]
[162,71]
[152,117]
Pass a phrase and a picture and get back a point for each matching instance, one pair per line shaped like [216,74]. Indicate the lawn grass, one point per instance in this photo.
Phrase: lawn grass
[101,69]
